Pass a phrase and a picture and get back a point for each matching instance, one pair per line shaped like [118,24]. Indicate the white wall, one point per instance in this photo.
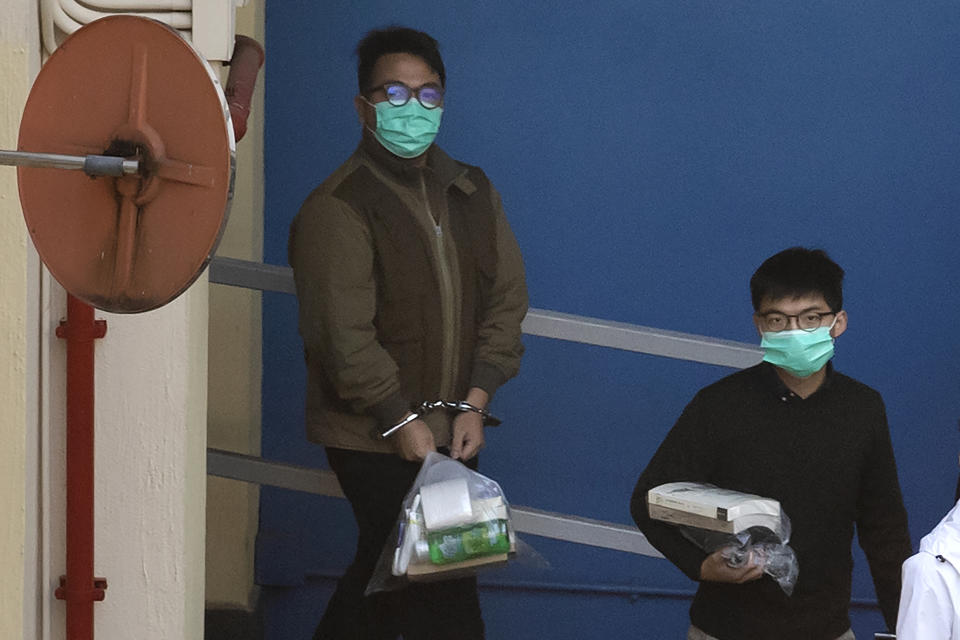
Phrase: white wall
[149,472]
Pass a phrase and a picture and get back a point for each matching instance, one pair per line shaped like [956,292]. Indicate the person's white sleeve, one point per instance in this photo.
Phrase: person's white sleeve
[926,611]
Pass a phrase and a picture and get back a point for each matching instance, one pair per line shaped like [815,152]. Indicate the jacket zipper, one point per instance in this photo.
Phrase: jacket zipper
[446,301]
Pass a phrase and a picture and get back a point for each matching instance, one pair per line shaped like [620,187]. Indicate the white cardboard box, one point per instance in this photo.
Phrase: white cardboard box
[709,507]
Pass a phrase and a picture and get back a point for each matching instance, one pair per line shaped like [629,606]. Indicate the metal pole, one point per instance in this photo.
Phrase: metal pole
[78,587]
[92,165]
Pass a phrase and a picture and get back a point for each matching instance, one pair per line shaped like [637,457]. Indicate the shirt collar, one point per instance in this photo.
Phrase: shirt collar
[775,385]
[444,169]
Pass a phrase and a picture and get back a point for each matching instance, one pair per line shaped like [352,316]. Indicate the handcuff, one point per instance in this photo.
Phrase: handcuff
[426,407]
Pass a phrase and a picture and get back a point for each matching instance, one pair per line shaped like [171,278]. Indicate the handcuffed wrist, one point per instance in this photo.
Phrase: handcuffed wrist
[427,407]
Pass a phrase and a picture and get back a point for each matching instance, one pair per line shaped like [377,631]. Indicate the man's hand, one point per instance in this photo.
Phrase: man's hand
[414,441]
[467,435]
[716,569]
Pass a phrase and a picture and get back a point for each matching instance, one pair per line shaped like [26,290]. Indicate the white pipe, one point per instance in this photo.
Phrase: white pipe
[139,5]
[64,22]
[47,29]
[83,15]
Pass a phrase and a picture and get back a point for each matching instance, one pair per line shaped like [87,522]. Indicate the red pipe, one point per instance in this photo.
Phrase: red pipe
[78,587]
[244,65]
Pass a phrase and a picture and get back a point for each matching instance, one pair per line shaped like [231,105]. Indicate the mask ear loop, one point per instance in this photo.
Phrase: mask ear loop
[365,125]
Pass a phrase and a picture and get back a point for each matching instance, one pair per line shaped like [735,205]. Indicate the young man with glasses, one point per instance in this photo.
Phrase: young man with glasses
[411,292]
[793,429]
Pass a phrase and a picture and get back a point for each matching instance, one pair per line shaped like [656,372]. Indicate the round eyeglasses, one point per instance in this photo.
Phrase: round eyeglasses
[775,321]
[399,94]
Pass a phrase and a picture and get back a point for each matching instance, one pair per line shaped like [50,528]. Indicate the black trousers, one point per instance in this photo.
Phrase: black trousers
[376,484]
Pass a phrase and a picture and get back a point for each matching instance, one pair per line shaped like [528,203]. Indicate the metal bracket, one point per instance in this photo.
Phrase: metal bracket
[96,594]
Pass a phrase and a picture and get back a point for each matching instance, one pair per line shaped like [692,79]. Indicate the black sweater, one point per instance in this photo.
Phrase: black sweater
[827,459]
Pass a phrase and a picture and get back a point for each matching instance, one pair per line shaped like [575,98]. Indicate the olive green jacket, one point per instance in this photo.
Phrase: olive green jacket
[411,288]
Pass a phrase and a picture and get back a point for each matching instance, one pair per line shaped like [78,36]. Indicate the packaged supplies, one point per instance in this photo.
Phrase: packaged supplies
[453,522]
[709,507]
[746,528]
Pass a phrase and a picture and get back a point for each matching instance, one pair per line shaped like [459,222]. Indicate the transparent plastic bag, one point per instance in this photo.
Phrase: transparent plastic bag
[746,527]
[758,545]
[453,522]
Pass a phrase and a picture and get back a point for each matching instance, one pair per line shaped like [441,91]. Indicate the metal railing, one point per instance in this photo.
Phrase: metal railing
[539,322]
[549,324]
[596,533]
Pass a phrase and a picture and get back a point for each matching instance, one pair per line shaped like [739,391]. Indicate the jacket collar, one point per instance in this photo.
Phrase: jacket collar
[444,169]
[944,540]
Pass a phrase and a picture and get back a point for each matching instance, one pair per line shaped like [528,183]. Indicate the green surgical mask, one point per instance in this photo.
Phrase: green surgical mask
[406,131]
[801,353]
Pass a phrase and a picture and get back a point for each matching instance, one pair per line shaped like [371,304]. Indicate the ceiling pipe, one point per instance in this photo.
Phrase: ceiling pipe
[54,16]
[47,31]
[84,15]
[62,21]
[140,5]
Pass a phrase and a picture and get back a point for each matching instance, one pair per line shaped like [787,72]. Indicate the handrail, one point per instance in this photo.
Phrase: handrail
[539,322]
[595,533]
[550,324]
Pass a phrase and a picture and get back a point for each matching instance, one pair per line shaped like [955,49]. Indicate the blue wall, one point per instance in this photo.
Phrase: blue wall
[650,156]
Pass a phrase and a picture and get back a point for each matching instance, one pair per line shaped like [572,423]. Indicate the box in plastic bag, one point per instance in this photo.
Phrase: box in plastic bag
[453,521]
[746,527]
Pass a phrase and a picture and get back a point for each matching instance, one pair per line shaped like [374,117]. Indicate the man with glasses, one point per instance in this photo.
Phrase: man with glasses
[411,292]
[793,429]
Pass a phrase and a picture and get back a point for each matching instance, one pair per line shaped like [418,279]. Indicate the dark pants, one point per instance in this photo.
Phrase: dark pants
[376,484]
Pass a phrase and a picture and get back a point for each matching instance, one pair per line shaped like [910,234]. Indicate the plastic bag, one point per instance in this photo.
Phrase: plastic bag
[745,527]
[453,522]
[758,545]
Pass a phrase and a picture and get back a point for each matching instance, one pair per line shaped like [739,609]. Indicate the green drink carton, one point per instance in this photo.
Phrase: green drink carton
[466,542]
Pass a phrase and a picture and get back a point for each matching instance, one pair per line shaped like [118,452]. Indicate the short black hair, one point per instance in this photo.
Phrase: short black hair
[395,39]
[797,272]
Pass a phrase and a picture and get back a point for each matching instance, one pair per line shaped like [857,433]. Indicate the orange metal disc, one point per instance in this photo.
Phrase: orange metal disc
[132,87]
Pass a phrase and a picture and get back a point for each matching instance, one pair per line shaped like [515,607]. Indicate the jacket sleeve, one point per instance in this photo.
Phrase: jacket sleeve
[882,519]
[681,457]
[331,252]
[496,357]
[926,609]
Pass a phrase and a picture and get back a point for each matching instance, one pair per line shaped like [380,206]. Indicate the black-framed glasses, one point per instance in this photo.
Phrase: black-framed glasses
[399,94]
[775,321]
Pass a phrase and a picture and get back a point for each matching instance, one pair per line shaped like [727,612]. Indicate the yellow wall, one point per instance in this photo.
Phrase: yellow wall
[19,61]
[233,418]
